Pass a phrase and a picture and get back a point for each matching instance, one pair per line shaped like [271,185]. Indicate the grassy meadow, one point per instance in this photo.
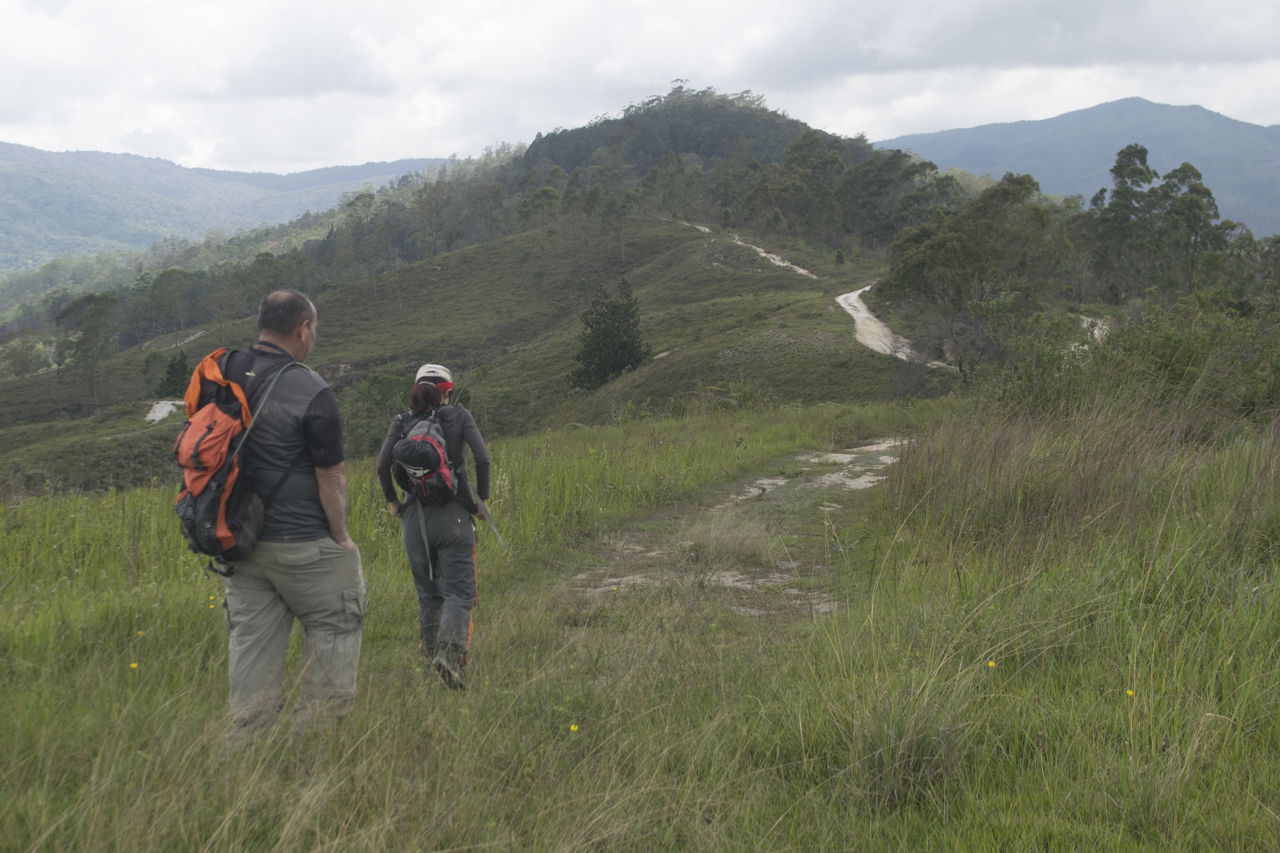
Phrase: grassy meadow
[1051,633]
[725,321]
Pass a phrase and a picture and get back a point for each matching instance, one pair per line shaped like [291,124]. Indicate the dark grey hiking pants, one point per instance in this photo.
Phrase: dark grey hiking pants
[444,573]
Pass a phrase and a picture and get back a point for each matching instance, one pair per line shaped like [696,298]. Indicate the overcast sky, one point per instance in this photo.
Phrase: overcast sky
[287,85]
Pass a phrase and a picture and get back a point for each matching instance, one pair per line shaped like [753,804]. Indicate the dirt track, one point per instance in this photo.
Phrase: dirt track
[723,546]
[872,333]
[868,330]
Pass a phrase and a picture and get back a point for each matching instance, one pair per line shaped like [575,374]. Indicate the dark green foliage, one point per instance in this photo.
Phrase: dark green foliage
[698,156]
[1070,154]
[22,357]
[977,281]
[1155,235]
[1210,357]
[367,409]
[477,266]
[889,191]
[709,157]
[610,344]
[972,252]
[1210,348]
[87,335]
[705,123]
[969,274]
[177,373]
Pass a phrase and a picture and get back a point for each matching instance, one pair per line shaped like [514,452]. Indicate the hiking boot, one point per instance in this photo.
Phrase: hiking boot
[447,664]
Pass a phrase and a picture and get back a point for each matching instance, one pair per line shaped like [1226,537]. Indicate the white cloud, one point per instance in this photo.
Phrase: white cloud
[293,84]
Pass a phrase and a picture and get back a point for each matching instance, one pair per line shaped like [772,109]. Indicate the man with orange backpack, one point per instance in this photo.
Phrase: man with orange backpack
[304,564]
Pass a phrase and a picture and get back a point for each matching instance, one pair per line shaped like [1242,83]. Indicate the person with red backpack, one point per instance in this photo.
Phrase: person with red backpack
[423,454]
[304,564]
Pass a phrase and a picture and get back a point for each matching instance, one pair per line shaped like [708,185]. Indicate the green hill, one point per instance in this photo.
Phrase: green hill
[703,124]
[1049,625]
[85,202]
[489,267]
[729,327]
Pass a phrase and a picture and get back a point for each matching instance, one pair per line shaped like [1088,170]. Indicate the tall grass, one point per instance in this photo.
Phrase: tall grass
[112,649]
[1053,633]
[1087,601]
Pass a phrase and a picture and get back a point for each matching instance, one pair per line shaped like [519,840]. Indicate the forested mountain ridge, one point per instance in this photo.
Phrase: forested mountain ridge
[701,126]
[492,266]
[86,202]
[489,267]
[1071,153]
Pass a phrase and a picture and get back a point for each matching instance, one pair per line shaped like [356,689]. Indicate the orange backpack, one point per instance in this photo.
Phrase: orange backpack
[219,511]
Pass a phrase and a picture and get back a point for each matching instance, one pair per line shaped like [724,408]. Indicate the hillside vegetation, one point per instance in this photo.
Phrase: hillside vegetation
[1069,154]
[1051,628]
[488,268]
[89,202]
[1048,623]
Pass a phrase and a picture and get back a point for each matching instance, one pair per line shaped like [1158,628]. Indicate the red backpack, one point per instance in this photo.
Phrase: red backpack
[421,463]
[218,509]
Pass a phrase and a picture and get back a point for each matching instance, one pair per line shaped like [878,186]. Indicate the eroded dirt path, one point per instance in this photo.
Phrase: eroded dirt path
[868,329]
[776,260]
[873,334]
[726,545]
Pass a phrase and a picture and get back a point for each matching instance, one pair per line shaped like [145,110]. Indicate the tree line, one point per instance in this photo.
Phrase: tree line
[985,279]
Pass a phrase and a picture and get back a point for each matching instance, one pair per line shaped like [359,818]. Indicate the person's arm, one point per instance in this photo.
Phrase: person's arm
[322,428]
[471,434]
[332,482]
[383,466]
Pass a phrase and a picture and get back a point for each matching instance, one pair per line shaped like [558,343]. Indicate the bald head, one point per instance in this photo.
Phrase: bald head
[287,319]
[282,311]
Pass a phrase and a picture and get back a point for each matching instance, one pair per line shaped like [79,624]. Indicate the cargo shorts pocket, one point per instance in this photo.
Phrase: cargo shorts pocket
[353,607]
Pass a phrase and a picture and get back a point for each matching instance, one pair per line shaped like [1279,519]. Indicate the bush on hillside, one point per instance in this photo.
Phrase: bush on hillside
[610,344]
[1208,352]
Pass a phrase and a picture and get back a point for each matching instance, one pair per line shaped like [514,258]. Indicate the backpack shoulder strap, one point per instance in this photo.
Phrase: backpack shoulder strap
[210,370]
[261,401]
[293,466]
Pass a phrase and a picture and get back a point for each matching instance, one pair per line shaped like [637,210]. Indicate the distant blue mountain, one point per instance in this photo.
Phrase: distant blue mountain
[1072,154]
[84,202]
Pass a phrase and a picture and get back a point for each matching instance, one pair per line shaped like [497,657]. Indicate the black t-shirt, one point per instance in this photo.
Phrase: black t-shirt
[296,431]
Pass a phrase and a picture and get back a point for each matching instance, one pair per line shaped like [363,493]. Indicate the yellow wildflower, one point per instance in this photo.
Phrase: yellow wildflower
[573,727]
[133,665]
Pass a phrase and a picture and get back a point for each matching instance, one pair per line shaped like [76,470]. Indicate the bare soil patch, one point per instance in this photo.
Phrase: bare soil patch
[723,548]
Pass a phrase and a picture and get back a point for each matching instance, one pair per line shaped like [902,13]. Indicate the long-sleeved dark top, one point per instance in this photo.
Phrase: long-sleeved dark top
[460,431]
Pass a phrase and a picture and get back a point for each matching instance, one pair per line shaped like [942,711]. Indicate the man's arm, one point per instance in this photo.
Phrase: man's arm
[332,482]
[322,428]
